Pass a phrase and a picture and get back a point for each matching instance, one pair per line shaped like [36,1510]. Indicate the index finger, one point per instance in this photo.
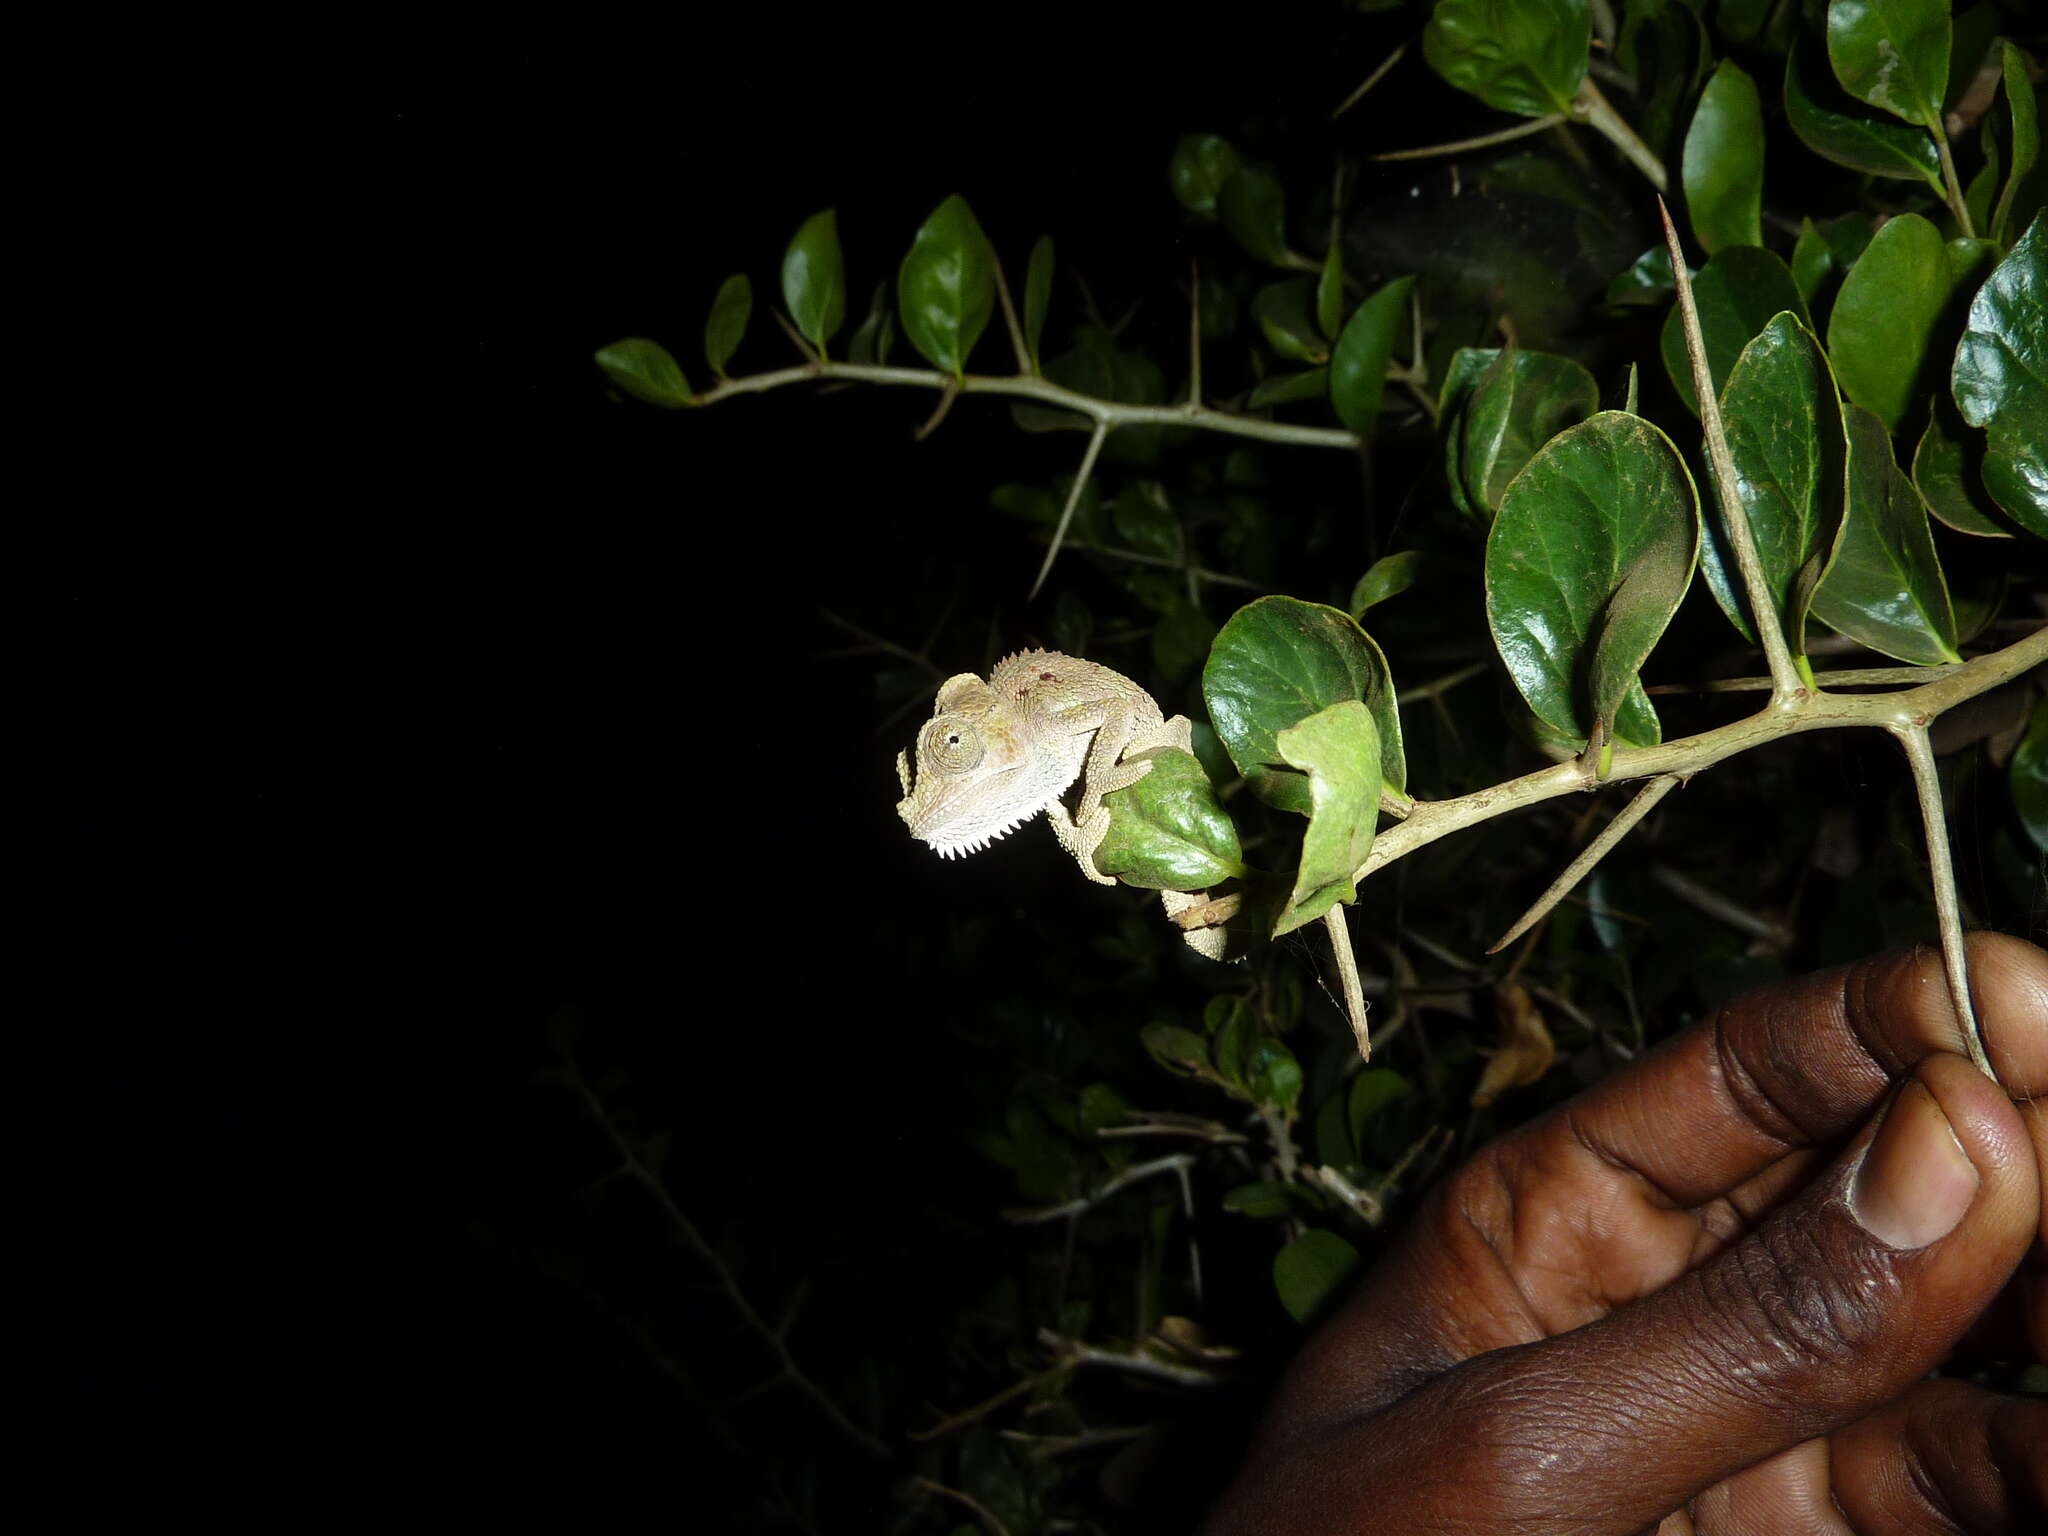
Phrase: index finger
[1800,1064]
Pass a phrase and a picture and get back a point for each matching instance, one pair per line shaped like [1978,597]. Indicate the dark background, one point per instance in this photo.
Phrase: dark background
[466,694]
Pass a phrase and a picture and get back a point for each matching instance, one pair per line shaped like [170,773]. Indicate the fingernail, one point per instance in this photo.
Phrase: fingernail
[1916,1181]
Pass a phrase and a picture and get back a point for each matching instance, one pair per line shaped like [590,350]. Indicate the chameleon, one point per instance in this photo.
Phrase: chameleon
[995,754]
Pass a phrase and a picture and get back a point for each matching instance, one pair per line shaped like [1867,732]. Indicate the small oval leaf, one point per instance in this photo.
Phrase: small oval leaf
[945,290]
[645,370]
[1520,56]
[727,326]
[2001,379]
[1881,332]
[1736,293]
[814,279]
[1338,748]
[1892,54]
[1311,1270]
[1168,831]
[1723,163]
[1815,108]
[1201,164]
[1358,365]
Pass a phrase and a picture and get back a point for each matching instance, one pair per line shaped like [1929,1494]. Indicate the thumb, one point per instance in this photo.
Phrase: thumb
[1834,1305]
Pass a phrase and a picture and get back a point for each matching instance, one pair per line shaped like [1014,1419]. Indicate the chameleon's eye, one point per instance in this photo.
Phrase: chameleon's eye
[953,746]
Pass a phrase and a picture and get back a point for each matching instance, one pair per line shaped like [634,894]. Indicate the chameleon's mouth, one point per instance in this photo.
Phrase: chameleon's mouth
[956,837]
[956,848]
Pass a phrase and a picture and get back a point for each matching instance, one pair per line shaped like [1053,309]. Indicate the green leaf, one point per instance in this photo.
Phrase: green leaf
[727,325]
[1848,237]
[814,279]
[1952,484]
[1387,577]
[644,370]
[1101,1105]
[1724,161]
[1881,332]
[1286,388]
[1310,1270]
[1520,56]
[1276,662]
[1813,103]
[1598,500]
[945,290]
[1273,1075]
[1286,314]
[1339,750]
[1254,209]
[1180,640]
[1372,1091]
[1646,280]
[1811,261]
[1168,831]
[1178,1050]
[1523,401]
[1270,1200]
[1663,44]
[1330,289]
[1736,293]
[1358,366]
[1883,585]
[2022,112]
[875,335]
[1201,164]
[1037,296]
[1784,426]
[2001,379]
[2029,772]
[1892,54]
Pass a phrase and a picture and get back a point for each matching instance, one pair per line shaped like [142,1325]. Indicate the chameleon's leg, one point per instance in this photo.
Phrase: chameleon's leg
[1081,838]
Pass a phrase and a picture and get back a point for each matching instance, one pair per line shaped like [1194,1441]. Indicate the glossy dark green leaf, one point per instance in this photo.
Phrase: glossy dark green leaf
[1882,329]
[1037,297]
[1971,33]
[1663,45]
[1254,209]
[1276,662]
[727,324]
[1784,426]
[1946,474]
[1272,1075]
[1286,388]
[2029,773]
[1286,314]
[1811,261]
[1520,56]
[1201,164]
[1468,365]
[814,279]
[1523,401]
[1596,502]
[1339,750]
[1883,585]
[1176,1049]
[2023,116]
[1646,280]
[1330,289]
[1829,123]
[1892,54]
[1168,831]
[1358,365]
[1387,577]
[645,370]
[1311,1270]
[1723,162]
[1736,294]
[874,336]
[1372,1092]
[2001,379]
[945,290]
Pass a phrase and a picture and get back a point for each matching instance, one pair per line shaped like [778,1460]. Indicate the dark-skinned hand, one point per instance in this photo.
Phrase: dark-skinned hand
[1709,1292]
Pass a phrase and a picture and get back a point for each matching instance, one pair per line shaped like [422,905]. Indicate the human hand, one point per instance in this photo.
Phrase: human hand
[1708,1291]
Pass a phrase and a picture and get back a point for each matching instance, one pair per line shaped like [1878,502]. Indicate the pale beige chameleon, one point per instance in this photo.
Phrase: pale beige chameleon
[997,753]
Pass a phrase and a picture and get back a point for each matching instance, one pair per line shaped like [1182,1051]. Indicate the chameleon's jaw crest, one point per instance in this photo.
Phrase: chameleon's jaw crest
[956,847]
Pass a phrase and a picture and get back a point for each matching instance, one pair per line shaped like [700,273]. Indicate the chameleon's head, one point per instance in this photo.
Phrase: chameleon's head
[977,778]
